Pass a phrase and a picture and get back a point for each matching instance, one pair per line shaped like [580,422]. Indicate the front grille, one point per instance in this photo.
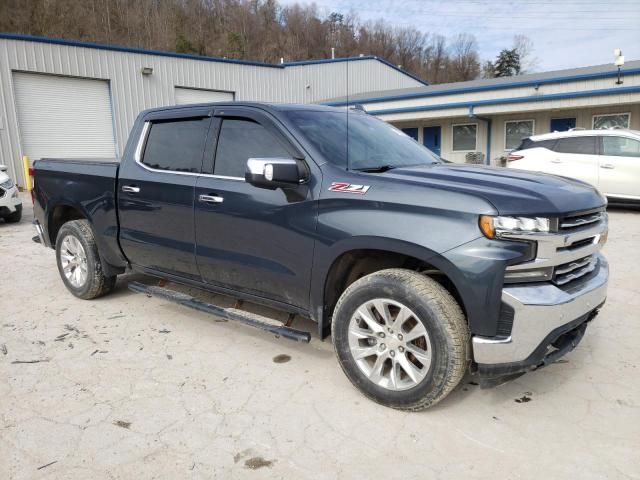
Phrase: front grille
[580,220]
[568,272]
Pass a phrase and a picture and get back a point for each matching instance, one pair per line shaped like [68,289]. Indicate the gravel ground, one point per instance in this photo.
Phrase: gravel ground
[134,387]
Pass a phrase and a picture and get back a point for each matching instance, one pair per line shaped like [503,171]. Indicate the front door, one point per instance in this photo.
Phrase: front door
[620,167]
[248,239]
[562,124]
[155,194]
[432,139]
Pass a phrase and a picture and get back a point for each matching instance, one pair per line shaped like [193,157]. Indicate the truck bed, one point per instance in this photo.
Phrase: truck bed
[87,184]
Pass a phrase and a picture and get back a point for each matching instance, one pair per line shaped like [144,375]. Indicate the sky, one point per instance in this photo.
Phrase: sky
[565,33]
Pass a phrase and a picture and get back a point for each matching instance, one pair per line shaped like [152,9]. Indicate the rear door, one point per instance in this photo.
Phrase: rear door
[155,192]
[620,167]
[249,239]
[575,157]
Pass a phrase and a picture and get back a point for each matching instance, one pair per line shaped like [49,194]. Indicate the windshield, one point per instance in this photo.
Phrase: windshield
[367,143]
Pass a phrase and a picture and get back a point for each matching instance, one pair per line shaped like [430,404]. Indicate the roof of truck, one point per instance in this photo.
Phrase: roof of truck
[263,105]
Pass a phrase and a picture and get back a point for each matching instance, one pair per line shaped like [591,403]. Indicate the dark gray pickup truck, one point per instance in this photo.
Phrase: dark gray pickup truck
[420,270]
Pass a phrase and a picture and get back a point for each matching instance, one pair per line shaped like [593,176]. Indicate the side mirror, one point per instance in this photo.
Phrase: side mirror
[3,168]
[273,173]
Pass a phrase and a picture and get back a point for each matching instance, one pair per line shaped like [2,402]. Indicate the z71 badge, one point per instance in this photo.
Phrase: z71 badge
[348,188]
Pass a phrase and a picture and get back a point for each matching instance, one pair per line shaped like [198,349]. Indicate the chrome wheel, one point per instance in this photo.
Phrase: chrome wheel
[390,345]
[74,261]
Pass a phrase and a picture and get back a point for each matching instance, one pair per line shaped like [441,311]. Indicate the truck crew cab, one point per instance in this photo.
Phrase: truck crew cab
[418,269]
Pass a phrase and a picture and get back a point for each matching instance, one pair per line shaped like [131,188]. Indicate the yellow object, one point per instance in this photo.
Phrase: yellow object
[27,178]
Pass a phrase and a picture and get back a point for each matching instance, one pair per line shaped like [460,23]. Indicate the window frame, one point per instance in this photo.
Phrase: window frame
[533,132]
[475,146]
[593,119]
[244,113]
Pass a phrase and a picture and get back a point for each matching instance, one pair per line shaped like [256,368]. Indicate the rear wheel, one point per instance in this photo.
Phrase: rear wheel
[79,263]
[401,338]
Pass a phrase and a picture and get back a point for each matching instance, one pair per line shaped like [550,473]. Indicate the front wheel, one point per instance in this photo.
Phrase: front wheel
[401,338]
[79,263]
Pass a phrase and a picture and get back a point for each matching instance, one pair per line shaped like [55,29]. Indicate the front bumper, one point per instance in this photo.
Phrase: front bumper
[548,322]
[10,200]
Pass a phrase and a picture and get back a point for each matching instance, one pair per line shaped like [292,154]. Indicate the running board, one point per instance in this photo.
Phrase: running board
[233,314]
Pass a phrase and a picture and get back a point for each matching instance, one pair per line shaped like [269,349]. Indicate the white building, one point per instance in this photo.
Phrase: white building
[491,116]
[61,98]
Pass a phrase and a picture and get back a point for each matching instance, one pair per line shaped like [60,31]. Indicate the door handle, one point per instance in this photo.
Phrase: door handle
[130,189]
[556,160]
[210,199]
[608,166]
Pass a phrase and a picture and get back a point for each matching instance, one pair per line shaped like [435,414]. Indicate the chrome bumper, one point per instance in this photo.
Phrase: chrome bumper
[539,310]
[40,232]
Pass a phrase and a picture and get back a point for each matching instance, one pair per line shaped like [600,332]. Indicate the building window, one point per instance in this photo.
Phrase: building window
[615,120]
[412,132]
[464,137]
[515,131]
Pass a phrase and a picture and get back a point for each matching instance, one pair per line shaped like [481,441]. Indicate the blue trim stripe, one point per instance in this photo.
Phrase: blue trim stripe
[504,101]
[483,88]
[118,48]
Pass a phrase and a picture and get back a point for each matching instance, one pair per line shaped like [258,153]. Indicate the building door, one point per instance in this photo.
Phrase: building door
[64,117]
[432,139]
[412,132]
[562,124]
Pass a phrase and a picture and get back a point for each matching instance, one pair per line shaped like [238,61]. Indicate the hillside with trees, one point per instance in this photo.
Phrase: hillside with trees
[260,30]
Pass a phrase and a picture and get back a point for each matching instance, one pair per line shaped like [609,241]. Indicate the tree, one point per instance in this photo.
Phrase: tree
[507,64]
[464,61]
[524,47]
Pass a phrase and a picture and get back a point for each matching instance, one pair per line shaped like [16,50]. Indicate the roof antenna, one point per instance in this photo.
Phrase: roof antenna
[358,107]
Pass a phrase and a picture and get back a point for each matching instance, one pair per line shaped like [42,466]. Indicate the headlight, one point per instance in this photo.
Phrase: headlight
[7,185]
[493,227]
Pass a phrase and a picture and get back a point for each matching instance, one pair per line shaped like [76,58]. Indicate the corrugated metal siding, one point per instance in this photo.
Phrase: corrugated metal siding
[132,92]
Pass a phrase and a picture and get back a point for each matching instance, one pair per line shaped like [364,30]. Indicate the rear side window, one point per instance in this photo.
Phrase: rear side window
[176,145]
[580,145]
[528,143]
[240,140]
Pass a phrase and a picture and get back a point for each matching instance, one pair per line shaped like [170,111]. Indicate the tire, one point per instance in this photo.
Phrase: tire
[94,283]
[15,217]
[442,353]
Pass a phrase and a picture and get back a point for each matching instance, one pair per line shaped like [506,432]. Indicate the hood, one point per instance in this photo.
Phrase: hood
[510,191]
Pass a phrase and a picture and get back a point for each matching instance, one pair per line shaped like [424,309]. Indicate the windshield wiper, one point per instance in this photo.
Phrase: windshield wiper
[379,169]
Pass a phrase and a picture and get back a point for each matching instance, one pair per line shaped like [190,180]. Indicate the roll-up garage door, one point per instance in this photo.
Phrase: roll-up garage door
[64,117]
[193,95]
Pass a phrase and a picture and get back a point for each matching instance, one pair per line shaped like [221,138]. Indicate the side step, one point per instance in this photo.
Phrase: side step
[234,314]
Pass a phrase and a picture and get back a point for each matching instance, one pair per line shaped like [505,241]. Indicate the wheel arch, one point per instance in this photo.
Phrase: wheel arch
[360,256]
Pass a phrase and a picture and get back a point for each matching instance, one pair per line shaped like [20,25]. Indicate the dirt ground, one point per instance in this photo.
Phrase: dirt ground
[134,387]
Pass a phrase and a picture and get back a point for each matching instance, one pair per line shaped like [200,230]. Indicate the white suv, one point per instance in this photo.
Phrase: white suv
[10,203]
[607,159]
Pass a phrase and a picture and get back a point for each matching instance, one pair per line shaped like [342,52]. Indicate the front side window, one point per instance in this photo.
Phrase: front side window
[464,137]
[579,145]
[620,147]
[176,145]
[240,140]
[618,120]
[515,131]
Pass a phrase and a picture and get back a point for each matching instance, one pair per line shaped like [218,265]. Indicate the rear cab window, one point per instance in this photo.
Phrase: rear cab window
[176,145]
